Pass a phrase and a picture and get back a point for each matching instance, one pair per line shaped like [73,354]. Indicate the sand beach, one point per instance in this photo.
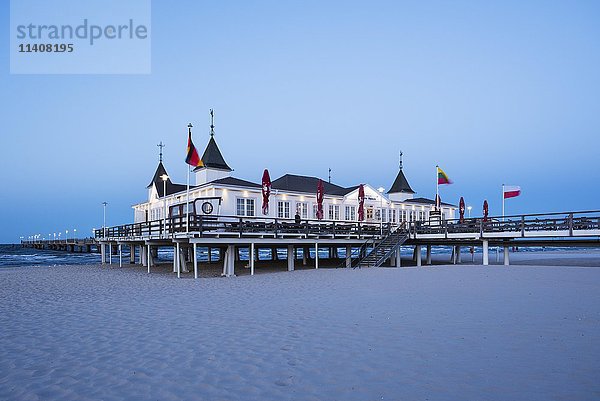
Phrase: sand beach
[526,332]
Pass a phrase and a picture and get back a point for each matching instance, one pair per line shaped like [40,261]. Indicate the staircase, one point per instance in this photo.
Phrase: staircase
[384,249]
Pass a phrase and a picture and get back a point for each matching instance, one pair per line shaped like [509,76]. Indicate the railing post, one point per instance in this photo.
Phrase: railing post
[276,228]
[240,227]
[307,228]
[570,224]
[359,230]
[334,229]
[522,226]
[481,228]
[445,228]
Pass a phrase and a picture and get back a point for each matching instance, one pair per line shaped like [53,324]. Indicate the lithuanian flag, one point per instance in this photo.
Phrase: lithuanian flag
[442,177]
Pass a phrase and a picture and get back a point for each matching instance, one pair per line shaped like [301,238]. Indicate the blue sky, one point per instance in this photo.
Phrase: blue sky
[493,92]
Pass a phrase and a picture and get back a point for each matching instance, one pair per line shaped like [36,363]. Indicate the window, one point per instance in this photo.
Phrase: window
[334,212]
[393,215]
[350,213]
[403,216]
[384,215]
[315,209]
[245,207]
[370,213]
[302,209]
[283,210]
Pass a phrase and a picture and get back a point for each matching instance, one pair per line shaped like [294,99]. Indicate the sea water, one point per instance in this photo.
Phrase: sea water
[16,255]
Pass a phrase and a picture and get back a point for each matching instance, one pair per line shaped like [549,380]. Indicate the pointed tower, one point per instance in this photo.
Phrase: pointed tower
[215,166]
[400,189]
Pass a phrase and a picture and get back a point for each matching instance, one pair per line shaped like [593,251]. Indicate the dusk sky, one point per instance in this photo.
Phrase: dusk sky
[493,92]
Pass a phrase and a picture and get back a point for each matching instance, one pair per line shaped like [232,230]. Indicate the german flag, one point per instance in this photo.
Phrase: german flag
[192,157]
[442,177]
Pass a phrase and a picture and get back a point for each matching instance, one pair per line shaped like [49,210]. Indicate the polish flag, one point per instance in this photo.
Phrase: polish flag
[510,191]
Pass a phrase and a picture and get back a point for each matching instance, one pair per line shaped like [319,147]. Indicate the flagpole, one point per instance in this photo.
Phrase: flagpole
[502,202]
[187,202]
[437,186]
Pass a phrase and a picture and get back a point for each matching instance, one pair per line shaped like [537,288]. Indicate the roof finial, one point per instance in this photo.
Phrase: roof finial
[400,160]
[330,175]
[161,146]
[212,123]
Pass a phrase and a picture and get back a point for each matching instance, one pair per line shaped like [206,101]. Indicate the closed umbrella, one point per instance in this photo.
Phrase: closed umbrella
[266,191]
[320,193]
[361,202]
[461,209]
[485,210]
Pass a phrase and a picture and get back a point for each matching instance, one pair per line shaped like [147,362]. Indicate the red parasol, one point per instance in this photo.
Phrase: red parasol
[485,210]
[438,202]
[361,202]
[461,209]
[320,193]
[266,191]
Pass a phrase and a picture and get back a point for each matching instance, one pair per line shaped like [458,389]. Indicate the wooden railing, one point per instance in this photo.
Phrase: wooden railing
[243,227]
[570,222]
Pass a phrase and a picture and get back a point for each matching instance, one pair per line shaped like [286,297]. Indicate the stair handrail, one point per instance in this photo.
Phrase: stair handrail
[402,237]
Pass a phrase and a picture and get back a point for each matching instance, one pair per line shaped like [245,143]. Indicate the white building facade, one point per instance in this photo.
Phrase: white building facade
[218,194]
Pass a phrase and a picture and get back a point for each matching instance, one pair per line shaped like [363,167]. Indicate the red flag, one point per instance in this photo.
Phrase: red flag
[461,209]
[320,193]
[266,191]
[192,157]
[361,202]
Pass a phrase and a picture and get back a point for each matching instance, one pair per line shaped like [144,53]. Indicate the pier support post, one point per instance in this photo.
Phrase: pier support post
[418,252]
[506,257]
[428,260]
[398,258]
[252,259]
[229,261]
[316,255]
[148,257]
[348,256]
[183,259]
[209,255]
[486,255]
[132,254]
[120,255]
[110,253]
[177,258]
[195,256]
[290,257]
[144,256]
[458,259]
[305,255]
[103,252]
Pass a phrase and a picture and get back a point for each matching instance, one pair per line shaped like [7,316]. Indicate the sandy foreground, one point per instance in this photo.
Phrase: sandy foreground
[435,333]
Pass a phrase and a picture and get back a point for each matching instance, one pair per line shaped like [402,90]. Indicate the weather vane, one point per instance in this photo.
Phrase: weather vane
[212,122]
[400,160]
[161,146]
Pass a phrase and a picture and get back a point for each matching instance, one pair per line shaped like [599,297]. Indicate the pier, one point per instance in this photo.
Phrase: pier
[363,244]
[83,245]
